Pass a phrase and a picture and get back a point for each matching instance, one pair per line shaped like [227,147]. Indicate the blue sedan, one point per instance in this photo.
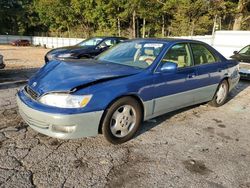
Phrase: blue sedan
[135,81]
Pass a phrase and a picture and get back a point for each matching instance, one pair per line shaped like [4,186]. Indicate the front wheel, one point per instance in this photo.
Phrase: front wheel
[122,120]
[221,94]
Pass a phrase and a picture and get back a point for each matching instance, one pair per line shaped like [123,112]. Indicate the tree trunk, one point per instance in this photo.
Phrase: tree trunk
[143,28]
[134,24]
[119,23]
[169,31]
[137,28]
[68,30]
[119,26]
[237,22]
[192,28]
[215,23]
[163,26]
[239,16]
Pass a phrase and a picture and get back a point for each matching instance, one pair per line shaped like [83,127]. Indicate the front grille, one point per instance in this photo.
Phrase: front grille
[31,92]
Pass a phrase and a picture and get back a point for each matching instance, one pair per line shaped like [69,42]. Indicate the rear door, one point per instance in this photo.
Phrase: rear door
[210,71]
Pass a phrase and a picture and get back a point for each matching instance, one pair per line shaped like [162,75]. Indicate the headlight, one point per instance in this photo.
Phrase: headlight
[65,55]
[63,100]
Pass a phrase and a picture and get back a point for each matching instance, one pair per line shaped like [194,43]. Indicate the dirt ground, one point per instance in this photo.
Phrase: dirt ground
[23,57]
[200,146]
[21,62]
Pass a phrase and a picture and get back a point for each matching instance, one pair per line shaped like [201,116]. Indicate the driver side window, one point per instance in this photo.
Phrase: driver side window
[179,54]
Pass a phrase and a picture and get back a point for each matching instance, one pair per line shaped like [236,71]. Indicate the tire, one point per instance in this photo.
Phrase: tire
[221,94]
[122,120]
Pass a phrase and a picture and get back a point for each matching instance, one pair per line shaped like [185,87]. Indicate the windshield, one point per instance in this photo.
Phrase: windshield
[90,42]
[133,53]
[245,51]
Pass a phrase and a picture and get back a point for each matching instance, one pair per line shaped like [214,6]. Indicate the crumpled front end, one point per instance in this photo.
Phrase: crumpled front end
[63,126]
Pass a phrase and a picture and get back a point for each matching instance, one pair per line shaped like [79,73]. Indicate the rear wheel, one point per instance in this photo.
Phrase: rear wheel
[221,94]
[122,120]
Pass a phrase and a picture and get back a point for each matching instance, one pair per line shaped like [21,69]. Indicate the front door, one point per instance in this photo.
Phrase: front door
[175,90]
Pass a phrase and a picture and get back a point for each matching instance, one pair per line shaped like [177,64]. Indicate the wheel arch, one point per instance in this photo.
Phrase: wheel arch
[134,96]
[225,78]
[228,82]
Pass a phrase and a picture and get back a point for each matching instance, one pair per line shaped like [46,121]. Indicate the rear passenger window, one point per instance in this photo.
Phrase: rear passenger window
[202,55]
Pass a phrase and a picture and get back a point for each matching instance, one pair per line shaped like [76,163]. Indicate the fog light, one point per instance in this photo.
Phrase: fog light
[63,128]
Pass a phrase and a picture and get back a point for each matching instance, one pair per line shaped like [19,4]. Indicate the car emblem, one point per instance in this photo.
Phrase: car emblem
[34,84]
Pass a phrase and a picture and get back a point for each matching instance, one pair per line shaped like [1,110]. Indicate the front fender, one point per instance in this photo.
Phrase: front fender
[105,93]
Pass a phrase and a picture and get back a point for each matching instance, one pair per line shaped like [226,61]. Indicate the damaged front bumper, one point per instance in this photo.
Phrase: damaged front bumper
[61,126]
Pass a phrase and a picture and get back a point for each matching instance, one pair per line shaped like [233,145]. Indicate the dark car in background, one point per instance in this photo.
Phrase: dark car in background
[243,56]
[2,65]
[20,43]
[86,49]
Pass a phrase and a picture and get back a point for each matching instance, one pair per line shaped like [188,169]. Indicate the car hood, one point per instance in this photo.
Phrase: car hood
[60,76]
[71,49]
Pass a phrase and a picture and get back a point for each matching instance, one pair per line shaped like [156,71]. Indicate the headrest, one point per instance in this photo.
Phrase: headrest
[181,59]
[149,51]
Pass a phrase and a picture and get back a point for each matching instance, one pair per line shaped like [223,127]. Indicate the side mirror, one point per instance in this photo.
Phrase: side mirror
[169,67]
[235,52]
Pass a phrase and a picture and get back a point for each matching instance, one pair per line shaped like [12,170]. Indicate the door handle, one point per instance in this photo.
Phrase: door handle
[191,75]
[219,70]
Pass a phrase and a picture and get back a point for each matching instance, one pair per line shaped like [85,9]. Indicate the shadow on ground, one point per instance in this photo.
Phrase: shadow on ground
[242,85]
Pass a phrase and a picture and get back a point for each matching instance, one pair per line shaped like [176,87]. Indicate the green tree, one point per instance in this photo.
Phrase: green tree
[133,18]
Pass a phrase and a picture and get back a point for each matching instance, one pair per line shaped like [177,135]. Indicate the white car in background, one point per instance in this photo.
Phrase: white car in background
[2,65]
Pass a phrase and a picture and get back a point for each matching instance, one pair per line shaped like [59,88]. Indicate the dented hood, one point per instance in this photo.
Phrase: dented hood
[60,76]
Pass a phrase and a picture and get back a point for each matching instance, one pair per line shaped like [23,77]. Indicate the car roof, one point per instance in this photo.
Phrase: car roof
[106,37]
[165,40]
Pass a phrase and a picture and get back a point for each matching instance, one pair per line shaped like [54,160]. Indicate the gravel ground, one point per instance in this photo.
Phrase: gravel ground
[200,146]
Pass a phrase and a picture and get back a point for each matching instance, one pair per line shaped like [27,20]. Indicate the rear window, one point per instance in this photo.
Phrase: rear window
[202,55]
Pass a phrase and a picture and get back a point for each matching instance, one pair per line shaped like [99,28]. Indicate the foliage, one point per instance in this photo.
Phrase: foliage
[84,18]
